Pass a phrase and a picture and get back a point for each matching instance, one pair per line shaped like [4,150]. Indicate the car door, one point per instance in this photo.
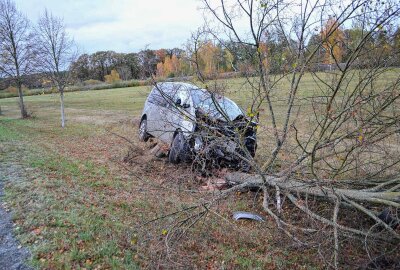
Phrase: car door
[155,118]
[151,112]
[166,114]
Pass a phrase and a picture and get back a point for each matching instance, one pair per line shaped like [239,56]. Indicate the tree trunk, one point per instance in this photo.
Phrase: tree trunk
[62,109]
[24,114]
[328,192]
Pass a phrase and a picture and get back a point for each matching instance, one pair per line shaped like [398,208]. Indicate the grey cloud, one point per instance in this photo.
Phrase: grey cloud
[122,25]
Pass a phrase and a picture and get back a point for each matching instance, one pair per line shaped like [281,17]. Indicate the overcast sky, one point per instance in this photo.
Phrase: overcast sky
[122,25]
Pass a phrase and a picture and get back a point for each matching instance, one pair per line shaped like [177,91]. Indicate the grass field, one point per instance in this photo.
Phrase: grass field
[80,206]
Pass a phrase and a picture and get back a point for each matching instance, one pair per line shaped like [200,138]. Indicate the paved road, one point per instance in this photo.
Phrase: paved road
[12,255]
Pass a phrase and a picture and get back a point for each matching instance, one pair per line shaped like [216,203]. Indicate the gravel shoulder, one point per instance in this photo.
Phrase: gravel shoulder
[12,255]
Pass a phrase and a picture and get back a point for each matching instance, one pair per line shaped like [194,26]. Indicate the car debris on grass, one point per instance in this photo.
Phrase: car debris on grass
[247,215]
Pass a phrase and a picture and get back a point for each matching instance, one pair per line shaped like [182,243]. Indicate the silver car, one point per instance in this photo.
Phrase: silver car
[194,121]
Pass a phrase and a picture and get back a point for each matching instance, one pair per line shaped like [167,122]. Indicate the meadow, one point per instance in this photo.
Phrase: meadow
[80,204]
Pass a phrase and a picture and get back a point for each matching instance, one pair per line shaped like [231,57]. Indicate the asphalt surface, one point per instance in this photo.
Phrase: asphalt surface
[12,254]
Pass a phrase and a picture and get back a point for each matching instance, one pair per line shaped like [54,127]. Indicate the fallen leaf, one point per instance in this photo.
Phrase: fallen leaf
[37,231]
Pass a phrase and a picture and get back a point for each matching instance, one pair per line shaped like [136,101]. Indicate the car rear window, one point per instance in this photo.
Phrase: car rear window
[160,96]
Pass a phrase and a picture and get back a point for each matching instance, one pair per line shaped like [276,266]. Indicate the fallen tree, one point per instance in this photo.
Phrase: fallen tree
[389,198]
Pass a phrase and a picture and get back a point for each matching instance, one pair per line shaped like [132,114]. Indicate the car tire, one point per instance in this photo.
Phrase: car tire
[143,135]
[177,152]
[253,150]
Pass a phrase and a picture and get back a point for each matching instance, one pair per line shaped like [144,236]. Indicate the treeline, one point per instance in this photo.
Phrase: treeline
[381,45]
[209,58]
[108,66]
[99,66]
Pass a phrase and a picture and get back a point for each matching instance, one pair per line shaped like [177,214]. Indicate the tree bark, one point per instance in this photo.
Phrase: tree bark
[24,114]
[62,109]
[312,188]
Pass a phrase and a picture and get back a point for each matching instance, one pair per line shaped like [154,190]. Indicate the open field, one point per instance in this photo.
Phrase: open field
[78,205]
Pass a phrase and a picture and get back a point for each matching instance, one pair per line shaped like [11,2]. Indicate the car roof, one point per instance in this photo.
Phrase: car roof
[176,85]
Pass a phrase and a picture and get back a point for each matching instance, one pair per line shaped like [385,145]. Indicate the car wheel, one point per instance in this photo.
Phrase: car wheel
[143,135]
[178,150]
[252,148]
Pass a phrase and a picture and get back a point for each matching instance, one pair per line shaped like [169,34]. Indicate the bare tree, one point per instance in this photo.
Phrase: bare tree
[16,47]
[336,143]
[192,48]
[57,51]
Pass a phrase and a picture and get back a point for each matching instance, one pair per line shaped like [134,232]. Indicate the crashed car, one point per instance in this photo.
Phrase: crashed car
[198,124]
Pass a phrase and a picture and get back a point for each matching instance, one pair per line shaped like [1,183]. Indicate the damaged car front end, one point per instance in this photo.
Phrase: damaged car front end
[223,135]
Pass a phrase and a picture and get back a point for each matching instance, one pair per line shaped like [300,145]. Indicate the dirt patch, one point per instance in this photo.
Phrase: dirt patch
[118,148]
[150,160]
[12,254]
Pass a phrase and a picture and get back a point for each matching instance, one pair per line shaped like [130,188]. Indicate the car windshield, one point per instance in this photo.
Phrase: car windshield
[203,100]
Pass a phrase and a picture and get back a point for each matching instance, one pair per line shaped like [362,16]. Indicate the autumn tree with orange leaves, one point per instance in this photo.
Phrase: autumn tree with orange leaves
[208,54]
[170,67]
[332,37]
[112,77]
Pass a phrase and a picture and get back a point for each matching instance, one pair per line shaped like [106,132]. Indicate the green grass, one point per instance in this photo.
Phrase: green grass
[73,232]
[131,99]
[74,88]
[7,134]
[127,99]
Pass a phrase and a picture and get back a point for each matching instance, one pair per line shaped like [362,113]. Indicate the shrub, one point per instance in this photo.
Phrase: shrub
[14,90]
[92,82]
[113,77]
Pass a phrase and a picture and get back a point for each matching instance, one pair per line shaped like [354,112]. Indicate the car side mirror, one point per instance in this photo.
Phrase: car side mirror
[178,102]
[185,105]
